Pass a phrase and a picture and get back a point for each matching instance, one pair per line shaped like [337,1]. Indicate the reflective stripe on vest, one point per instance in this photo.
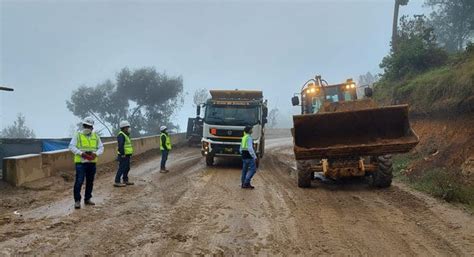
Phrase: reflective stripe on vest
[86,144]
[127,147]
[245,141]
[168,141]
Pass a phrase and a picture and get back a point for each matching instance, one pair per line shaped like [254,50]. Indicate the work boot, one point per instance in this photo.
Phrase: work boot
[119,184]
[128,183]
[89,202]
[77,205]
[248,186]
[164,171]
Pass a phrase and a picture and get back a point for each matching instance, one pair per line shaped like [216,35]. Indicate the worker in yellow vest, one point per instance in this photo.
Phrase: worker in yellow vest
[165,147]
[124,151]
[85,146]
[248,158]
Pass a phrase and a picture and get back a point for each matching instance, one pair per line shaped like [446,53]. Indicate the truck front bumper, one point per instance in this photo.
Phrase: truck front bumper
[219,148]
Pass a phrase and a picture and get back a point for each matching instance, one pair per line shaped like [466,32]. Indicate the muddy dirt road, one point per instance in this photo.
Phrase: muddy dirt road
[202,211]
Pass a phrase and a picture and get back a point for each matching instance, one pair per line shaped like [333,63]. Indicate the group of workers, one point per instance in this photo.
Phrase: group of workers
[87,146]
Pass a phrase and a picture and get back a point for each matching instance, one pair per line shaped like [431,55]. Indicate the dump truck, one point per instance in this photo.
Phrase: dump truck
[341,136]
[226,114]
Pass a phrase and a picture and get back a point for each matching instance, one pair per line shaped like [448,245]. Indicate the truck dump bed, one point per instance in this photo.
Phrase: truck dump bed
[364,132]
[236,94]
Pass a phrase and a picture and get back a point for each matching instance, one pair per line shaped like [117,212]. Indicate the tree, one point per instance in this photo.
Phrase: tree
[18,129]
[200,96]
[272,117]
[416,50]
[144,97]
[453,22]
[368,79]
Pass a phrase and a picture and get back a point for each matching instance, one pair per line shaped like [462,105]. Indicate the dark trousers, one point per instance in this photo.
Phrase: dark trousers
[123,169]
[248,170]
[164,158]
[84,171]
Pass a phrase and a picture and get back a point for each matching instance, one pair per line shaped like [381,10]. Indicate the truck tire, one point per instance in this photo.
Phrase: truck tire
[209,160]
[262,149]
[304,174]
[382,178]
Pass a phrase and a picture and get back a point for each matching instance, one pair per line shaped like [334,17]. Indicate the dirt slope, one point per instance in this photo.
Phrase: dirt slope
[199,210]
[446,142]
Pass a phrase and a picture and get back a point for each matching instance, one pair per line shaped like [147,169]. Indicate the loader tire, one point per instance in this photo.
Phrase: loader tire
[209,160]
[304,174]
[382,178]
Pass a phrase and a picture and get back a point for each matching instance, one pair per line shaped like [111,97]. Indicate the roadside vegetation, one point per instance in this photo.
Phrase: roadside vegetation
[438,182]
[431,68]
[447,88]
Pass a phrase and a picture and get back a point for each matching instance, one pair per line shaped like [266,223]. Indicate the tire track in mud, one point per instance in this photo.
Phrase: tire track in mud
[103,227]
[199,210]
[361,218]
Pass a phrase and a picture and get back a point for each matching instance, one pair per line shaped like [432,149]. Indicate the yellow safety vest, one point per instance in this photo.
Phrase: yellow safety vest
[244,142]
[86,144]
[168,141]
[127,147]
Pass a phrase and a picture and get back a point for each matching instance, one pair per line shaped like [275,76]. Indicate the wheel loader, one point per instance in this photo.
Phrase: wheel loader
[342,136]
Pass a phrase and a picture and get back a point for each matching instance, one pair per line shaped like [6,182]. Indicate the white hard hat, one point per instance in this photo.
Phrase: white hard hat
[88,121]
[163,128]
[124,124]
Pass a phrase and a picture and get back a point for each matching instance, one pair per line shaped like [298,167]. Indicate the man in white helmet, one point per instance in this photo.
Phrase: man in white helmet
[85,146]
[124,151]
[165,147]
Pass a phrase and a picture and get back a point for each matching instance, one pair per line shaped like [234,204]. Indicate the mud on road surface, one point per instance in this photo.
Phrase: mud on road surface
[202,210]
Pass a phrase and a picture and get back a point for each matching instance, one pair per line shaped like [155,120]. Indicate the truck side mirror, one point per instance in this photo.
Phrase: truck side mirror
[368,92]
[295,101]
[198,110]
[265,120]
[265,112]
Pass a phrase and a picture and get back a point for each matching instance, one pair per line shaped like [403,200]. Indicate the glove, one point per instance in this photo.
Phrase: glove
[87,156]
[93,156]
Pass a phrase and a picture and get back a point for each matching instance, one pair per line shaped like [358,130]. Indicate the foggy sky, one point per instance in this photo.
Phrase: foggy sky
[49,48]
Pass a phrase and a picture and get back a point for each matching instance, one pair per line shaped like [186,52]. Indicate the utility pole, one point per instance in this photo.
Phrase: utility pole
[395,21]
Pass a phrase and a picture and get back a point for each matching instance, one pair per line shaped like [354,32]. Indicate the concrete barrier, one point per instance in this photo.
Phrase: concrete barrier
[21,169]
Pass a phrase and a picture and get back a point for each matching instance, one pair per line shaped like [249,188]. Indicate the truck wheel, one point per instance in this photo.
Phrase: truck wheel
[304,174]
[383,176]
[209,160]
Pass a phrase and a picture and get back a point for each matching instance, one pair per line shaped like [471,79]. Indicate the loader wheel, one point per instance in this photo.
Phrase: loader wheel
[383,176]
[209,160]
[304,174]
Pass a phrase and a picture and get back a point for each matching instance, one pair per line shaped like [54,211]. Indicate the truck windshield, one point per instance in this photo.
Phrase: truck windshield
[231,115]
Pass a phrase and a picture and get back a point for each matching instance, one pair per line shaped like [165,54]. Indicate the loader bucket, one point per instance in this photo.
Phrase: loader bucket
[370,131]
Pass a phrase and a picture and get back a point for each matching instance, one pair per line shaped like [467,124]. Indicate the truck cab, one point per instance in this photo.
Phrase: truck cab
[226,114]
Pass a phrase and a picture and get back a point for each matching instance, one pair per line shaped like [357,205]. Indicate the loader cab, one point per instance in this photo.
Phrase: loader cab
[315,92]
[312,98]
[341,92]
